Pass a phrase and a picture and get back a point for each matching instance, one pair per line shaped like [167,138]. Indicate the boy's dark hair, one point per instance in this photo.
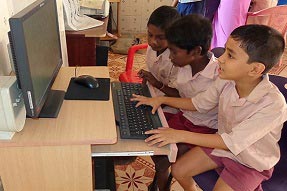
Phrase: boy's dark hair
[262,44]
[189,32]
[163,16]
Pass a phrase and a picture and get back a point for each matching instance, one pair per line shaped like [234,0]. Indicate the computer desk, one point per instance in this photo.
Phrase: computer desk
[81,45]
[56,154]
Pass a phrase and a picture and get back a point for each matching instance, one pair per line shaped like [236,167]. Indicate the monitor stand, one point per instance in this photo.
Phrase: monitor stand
[53,104]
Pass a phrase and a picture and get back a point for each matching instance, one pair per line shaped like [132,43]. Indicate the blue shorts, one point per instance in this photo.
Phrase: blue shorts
[282,2]
[189,8]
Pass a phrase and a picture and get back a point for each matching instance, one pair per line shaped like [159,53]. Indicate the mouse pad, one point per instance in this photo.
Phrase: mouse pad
[79,92]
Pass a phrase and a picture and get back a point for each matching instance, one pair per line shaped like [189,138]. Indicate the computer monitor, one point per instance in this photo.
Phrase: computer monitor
[36,51]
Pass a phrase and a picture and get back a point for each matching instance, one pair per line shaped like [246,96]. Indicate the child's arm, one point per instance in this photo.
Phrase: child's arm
[209,98]
[163,136]
[155,102]
[174,3]
[169,91]
[147,76]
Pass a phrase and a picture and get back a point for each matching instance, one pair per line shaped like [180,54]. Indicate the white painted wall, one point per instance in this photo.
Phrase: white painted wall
[11,7]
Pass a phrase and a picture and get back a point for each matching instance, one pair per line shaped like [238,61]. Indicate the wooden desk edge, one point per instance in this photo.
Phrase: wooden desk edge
[10,143]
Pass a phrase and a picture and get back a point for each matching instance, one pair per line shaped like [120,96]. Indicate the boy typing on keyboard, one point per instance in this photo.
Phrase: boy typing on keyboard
[188,41]
[251,111]
[161,74]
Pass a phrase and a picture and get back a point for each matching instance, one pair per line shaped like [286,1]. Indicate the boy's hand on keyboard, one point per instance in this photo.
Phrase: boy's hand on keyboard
[142,100]
[162,136]
[147,76]
[141,75]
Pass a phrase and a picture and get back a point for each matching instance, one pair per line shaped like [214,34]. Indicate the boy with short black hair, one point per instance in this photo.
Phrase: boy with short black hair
[161,74]
[188,41]
[251,113]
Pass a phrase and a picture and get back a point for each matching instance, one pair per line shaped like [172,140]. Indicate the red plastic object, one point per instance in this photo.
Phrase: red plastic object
[129,75]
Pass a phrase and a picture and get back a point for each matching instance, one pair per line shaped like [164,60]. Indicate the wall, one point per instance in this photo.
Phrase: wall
[9,8]
[5,66]
[134,14]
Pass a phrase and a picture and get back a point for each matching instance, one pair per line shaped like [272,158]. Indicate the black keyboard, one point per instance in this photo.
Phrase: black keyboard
[133,121]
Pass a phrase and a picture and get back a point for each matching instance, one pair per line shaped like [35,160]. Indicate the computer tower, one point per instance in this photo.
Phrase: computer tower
[104,173]
[102,54]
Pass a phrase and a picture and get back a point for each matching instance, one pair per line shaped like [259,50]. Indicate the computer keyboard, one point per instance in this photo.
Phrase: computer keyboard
[133,121]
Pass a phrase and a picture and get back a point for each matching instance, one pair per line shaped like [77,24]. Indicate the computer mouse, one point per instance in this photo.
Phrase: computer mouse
[87,81]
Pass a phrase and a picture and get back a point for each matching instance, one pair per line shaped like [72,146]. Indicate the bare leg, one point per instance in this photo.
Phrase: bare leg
[221,186]
[162,165]
[190,164]
[162,180]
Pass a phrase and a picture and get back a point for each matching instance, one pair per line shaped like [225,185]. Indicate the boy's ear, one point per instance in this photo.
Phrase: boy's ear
[257,68]
[197,50]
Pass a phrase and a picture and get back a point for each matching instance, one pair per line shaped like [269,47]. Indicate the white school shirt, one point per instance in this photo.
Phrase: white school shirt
[189,86]
[249,126]
[161,68]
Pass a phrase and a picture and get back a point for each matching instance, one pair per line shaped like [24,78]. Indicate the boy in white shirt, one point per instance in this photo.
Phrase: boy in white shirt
[189,41]
[161,73]
[251,113]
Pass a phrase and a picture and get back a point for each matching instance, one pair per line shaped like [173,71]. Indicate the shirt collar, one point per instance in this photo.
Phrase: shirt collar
[260,90]
[160,57]
[257,93]
[211,68]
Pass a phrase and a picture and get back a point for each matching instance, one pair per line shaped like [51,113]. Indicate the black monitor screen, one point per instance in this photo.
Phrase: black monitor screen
[35,43]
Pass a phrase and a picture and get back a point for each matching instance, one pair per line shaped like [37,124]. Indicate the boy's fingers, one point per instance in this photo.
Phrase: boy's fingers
[138,104]
[151,138]
[154,141]
[153,131]
[163,143]
[153,110]
[163,127]
[135,97]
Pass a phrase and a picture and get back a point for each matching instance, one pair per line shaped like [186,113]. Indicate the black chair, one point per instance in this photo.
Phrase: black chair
[218,51]
[278,181]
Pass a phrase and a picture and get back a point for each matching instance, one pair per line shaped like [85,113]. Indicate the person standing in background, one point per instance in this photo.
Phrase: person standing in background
[186,7]
[207,8]
[257,5]
[282,2]
[230,15]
